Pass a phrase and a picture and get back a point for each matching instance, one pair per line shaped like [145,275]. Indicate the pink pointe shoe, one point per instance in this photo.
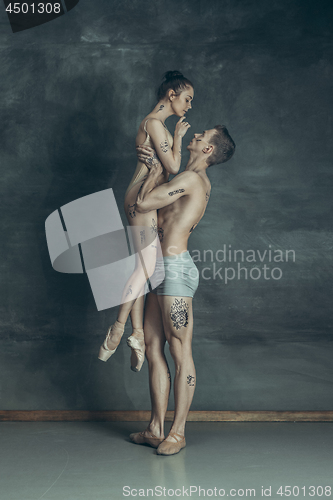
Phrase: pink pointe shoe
[105,353]
[137,343]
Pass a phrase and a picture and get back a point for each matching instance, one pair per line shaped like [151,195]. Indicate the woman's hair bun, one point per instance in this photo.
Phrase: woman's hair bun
[174,80]
[169,75]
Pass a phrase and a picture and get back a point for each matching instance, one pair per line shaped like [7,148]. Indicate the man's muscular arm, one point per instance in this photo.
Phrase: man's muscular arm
[151,197]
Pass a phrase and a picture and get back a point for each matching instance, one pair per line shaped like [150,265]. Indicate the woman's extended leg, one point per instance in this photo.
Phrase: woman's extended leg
[145,265]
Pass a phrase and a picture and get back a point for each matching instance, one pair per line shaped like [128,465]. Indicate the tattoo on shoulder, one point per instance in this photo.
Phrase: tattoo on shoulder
[160,231]
[131,211]
[179,313]
[176,192]
[164,146]
[191,380]
[160,108]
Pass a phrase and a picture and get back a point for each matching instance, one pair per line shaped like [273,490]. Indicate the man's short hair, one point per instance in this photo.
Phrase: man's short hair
[224,146]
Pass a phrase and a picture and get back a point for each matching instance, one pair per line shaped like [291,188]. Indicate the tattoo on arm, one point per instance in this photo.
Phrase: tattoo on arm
[160,108]
[143,236]
[179,313]
[131,211]
[164,146]
[176,192]
[153,160]
[191,380]
[160,231]
[207,196]
[129,291]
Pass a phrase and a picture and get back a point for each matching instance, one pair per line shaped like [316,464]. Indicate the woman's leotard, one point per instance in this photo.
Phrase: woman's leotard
[141,170]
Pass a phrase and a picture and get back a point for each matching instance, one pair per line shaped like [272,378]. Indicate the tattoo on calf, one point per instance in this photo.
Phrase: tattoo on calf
[176,192]
[191,380]
[164,146]
[131,211]
[143,236]
[179,313]
[153,226]
[160,232]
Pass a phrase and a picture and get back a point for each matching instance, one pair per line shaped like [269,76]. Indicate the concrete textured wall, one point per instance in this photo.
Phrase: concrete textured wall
[73,92]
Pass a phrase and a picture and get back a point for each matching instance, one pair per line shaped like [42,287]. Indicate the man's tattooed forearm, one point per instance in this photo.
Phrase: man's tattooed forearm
[131,211]
[176,192]
[191,380]
[153,160]
[179,313]
[164,146]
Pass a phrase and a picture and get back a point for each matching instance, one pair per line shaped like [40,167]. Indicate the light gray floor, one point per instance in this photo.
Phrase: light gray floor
[94,461]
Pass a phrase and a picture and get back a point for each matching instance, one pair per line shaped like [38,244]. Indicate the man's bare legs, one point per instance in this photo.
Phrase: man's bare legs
[177,317]
[169,319]
[159,375]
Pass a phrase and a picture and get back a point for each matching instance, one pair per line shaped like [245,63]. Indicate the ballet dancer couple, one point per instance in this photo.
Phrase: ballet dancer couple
[173,208]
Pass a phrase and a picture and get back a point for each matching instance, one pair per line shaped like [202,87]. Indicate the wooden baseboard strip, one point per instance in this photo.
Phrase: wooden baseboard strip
[135,416]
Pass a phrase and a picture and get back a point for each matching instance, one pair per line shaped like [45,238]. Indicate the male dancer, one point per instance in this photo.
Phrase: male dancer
[181,203]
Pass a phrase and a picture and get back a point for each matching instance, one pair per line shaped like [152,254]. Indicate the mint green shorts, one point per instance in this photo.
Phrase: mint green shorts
[181,276]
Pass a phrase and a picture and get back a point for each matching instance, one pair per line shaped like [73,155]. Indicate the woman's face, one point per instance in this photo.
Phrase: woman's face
[182,103]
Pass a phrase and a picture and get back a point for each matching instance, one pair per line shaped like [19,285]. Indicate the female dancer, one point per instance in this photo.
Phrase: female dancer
[174,98]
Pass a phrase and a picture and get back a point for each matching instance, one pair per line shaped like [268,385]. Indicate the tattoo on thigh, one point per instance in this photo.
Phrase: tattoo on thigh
[176,192]
[164,146]
[191,380]
[131,211]
[143,236]
[160,231]
[129,291]
[179,313]
[153,226]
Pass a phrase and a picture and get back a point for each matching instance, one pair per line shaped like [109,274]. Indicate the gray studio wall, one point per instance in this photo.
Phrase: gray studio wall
[73,93]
